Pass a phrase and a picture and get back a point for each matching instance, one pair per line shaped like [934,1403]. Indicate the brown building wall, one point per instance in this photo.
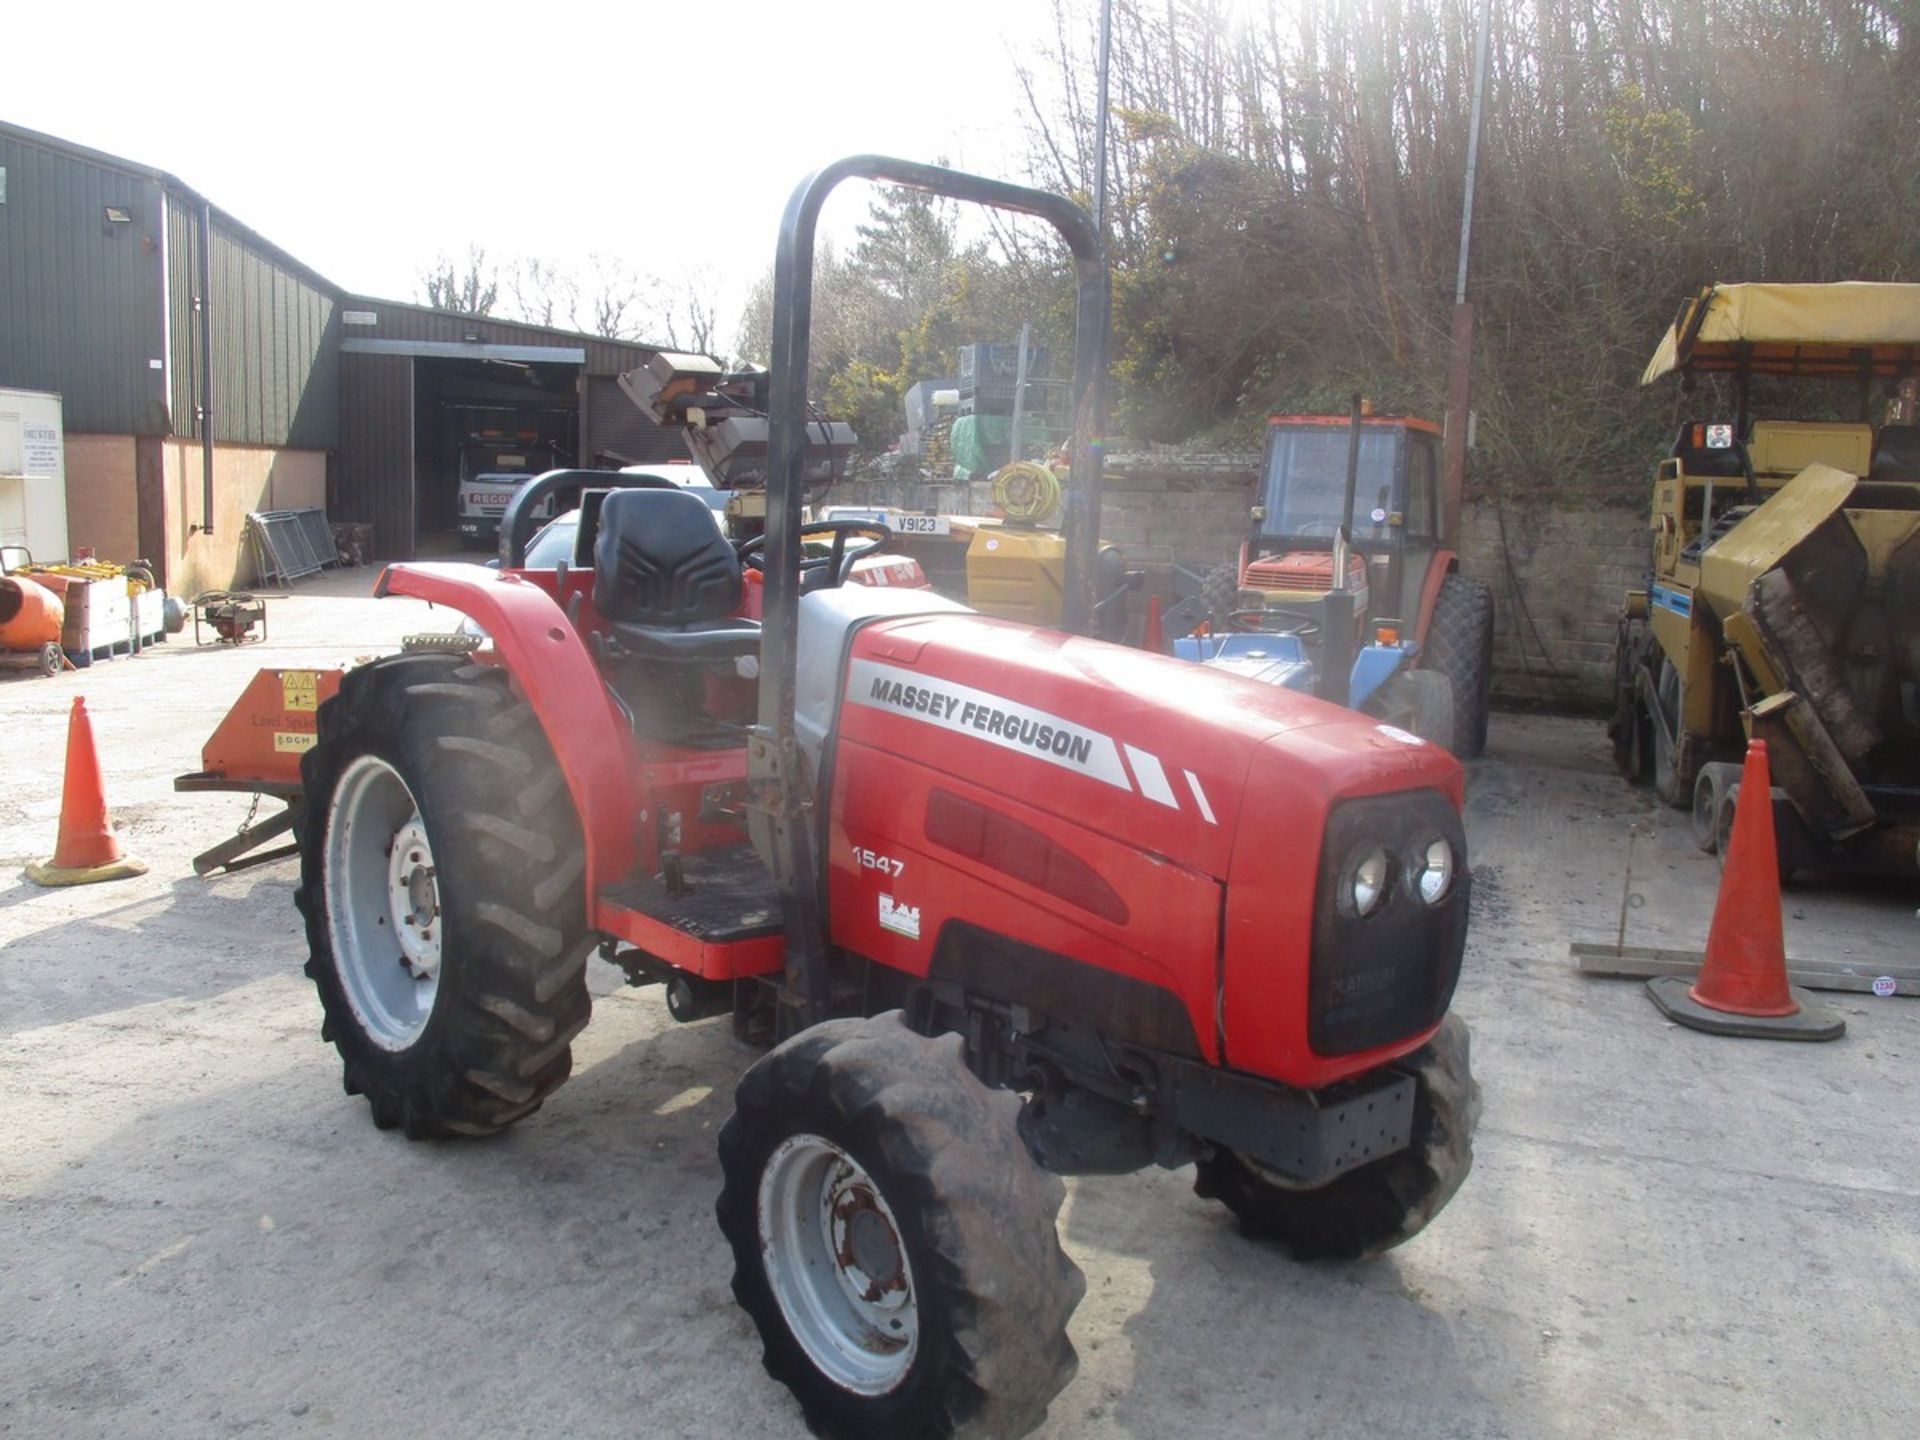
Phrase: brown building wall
[245,478]
[101,511]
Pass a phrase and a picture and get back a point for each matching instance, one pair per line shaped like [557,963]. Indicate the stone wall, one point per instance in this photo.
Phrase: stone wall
[1558,567]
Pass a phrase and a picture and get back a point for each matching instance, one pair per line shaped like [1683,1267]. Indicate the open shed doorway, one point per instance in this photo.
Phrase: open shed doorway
[485,416]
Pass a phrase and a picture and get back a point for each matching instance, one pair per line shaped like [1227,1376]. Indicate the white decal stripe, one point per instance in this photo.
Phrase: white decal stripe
[1200,797]
[1153,780]
[964,710]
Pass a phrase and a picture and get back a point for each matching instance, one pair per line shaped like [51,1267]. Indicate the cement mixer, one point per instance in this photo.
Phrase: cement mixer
[31,617]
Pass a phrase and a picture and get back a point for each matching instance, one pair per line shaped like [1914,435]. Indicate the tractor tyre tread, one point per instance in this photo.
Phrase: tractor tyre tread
[1220,592]
[1459,645]
[1381,1204]
[995,1289]
[513,991]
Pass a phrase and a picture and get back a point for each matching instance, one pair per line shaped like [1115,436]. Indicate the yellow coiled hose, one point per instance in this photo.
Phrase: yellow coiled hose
[1025,491]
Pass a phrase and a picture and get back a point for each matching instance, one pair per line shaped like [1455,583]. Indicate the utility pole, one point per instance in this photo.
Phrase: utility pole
[1460,370]
[1100,121]
[1082,522]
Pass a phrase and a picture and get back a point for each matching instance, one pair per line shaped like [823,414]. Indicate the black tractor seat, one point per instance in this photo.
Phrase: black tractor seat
[667,581]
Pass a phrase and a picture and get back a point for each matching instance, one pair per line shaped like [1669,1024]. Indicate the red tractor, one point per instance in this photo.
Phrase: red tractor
[1007,903]
[1348,582]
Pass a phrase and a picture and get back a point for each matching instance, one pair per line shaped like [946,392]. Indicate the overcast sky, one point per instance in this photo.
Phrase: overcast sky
[365,138]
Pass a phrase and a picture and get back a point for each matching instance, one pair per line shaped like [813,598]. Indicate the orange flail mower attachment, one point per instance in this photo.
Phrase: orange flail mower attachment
[269,728]
[257,749]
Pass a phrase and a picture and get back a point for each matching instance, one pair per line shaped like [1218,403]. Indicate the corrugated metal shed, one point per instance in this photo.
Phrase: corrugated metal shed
[372,475]
[392,320]
[80,293]
[149,322]
[274,329]
[107,313]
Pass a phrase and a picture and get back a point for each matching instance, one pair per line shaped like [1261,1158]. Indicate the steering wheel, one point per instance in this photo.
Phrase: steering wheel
[1318,527]
[820,571]
[1261,622]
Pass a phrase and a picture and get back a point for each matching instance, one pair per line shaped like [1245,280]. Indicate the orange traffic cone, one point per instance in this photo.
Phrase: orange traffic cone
[1742,988]
[1155,638]
[86,850]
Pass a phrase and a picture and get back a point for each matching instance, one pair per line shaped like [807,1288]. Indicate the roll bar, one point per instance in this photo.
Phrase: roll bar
[779,814]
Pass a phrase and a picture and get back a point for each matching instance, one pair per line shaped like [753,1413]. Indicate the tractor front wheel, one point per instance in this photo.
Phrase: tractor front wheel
[441,880]
[892,1238]
[1382,1204]
[1459,645]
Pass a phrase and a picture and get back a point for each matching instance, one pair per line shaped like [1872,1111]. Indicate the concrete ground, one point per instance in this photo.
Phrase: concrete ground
[1664,1233]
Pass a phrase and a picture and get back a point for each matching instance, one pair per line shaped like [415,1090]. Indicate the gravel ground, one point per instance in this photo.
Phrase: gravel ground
[1664,1233]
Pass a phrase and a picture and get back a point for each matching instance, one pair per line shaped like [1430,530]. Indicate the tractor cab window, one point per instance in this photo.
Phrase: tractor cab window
[1421,464]
[1306,482]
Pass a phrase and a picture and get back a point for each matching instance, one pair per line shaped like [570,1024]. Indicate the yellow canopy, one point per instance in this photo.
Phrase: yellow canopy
[1836,330]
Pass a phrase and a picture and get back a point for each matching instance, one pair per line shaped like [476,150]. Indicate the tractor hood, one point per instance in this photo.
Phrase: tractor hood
[1128,743]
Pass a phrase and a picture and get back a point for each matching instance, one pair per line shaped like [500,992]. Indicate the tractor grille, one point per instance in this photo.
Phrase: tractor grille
[1381,977]
[1303,573]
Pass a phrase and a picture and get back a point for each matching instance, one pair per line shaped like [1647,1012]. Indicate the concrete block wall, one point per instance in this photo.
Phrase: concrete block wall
[1558,577]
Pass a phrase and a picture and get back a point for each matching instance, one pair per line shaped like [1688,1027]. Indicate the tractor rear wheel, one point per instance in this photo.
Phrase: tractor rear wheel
[1220,594]
[892,1238]
[1382,1204]
[441,868]
[1459,645]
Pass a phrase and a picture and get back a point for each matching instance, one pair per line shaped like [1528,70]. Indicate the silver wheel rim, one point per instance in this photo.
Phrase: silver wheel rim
[837,1265]
[383,903]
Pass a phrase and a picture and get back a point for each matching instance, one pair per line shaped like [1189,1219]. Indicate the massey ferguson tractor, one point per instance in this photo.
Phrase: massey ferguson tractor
[1006,903]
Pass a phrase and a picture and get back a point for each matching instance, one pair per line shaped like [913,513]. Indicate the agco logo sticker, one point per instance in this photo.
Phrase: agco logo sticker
[899,918]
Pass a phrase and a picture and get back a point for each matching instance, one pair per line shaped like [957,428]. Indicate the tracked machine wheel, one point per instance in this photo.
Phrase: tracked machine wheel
[892,1238]
[1460,646]
[441,868]
[1673,765]
[1381,1204]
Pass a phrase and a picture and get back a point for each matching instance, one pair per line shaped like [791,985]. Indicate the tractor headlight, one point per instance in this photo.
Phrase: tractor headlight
[1366,879]
[1433,873]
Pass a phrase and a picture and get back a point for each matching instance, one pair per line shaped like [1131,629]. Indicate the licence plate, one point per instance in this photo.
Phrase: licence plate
[921,525]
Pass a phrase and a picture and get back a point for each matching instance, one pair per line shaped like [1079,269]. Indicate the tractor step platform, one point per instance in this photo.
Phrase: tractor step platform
[725,921]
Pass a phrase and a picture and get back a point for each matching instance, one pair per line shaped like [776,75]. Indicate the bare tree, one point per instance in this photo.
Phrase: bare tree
[684,315]
[614,298]
[471,289]
[542,292]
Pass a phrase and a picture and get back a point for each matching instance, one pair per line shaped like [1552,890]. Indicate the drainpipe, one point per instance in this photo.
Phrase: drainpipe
[206,368]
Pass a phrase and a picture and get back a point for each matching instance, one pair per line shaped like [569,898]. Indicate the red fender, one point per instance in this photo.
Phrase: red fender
[550,663]
[1444,563]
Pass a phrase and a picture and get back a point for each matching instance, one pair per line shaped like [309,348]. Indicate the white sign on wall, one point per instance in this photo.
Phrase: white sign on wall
[39,451]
